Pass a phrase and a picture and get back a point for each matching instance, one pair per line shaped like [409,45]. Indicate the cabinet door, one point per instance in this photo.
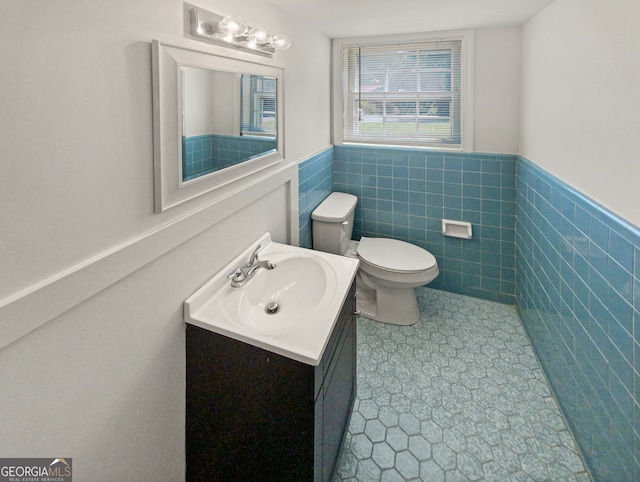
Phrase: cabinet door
[339,395]
[249,412]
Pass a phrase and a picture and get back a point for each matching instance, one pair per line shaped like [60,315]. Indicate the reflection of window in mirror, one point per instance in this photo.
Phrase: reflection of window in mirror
[258,106]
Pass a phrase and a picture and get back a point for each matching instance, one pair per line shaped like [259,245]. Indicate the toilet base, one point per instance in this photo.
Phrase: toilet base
[388,305]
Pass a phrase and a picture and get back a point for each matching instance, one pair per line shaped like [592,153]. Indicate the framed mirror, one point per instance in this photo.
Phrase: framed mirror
[217,122]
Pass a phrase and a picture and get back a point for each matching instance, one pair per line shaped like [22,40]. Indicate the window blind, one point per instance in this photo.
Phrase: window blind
[403,94]
[258,105]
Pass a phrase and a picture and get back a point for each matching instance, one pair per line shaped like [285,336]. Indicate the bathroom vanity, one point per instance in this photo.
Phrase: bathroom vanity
[256,415]
[269,394]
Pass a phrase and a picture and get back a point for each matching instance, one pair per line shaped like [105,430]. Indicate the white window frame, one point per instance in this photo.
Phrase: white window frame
[466,101]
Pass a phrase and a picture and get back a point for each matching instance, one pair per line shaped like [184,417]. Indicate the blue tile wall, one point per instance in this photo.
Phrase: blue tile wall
[578,293]
[578,269]
[211,152]
[315,177]
[405,194]
[197,153]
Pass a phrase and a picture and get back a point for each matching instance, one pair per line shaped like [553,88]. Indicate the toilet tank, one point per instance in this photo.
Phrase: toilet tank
[332,223]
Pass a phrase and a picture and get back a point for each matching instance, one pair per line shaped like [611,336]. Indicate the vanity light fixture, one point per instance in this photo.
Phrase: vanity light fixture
[234,32]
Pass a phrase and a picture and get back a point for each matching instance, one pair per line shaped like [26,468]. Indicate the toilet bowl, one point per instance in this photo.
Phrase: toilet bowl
[390,269]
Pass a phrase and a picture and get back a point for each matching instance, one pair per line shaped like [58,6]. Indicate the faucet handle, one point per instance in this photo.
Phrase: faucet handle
[254,255]
[236,275]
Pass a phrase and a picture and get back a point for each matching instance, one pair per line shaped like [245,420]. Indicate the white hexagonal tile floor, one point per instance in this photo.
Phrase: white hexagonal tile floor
[459,396]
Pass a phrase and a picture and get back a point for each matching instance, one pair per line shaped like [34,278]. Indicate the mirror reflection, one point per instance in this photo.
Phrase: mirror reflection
[228,118]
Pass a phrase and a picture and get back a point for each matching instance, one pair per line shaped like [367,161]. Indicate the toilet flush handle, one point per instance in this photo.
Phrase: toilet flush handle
[345,223]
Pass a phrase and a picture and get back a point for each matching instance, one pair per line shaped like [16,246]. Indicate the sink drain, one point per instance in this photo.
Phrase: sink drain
[272,308]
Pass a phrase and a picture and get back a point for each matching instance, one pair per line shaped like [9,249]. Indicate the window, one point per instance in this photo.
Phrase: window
[410,91]
[258,105]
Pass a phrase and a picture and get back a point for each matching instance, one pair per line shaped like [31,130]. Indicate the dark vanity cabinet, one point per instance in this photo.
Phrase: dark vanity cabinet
[253,415]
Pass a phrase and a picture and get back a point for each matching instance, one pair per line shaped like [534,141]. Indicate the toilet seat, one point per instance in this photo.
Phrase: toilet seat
[395,255]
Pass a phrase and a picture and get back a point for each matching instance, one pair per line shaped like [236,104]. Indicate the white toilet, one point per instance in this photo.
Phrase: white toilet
[389,269]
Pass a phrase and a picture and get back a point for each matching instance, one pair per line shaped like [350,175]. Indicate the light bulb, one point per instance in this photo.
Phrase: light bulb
[280,42]
[235,27]
[259,35]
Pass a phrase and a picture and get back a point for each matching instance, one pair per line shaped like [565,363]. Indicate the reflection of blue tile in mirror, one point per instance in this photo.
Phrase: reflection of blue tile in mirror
[208,153]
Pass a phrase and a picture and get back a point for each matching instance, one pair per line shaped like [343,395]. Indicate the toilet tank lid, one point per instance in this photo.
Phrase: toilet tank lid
[335,208]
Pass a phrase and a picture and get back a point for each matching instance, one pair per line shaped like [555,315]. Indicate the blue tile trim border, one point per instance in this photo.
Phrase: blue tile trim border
[578,294]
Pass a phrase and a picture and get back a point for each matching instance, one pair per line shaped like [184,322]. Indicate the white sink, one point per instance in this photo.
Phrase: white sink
[277,299]
[289,310]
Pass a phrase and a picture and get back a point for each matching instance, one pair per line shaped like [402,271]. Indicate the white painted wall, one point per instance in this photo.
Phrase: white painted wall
[497,90]
[82,254]
[76,103]
[226,114]
[580,98]
[211,102]
[197,97]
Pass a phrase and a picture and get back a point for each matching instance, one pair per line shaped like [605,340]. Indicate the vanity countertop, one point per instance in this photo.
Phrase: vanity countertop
[309,287]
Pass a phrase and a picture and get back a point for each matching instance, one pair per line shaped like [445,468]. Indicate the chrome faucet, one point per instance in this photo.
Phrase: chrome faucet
[240,276]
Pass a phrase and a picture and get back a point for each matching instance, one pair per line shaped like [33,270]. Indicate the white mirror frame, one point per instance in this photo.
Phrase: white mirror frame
[169,188]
